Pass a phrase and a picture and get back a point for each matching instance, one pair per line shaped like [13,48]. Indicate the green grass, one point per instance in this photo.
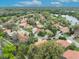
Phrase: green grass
[77,40]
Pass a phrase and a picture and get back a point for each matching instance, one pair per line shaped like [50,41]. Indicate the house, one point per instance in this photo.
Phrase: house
[55,24]
[61,28]
[40,42]
[39,25]
[64,29]
[8,31]
[76,33]
[23,23]
[36,30]
[22,36]
[63,43]
[70,54]
[42,17]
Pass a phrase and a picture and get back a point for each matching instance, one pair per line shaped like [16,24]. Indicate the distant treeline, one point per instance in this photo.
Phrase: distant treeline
[21,11]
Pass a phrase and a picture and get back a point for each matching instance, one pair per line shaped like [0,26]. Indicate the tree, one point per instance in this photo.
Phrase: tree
[72,47]
[42,33]
[1,38]
[75,27]
[8,51]
[48,50]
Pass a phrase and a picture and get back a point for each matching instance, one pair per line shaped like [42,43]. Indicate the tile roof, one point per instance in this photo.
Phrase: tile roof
[40,42]
[64,29]
[70,54]
[64,43]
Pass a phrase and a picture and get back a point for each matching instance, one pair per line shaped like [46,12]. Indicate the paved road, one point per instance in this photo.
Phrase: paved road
[71,38]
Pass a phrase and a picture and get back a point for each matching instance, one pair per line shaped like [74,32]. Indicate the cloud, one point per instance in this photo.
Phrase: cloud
[57,4]
[68,0]
[29,3]
[18,5]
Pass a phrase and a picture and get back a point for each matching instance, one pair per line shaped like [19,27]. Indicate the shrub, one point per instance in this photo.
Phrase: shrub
[42,33]
[72,47]
[62,38]
[48,50]
[32,39]
[1,34]
[54,30]
[8,51]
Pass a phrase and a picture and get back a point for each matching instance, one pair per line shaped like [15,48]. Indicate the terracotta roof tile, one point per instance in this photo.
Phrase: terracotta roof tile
[71,54]
[64,29]
[64,43]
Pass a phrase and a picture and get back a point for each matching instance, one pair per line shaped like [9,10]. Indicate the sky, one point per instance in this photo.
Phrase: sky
[39,3]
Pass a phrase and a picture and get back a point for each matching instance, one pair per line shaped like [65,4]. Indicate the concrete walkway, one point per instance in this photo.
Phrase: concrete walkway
[71,38]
